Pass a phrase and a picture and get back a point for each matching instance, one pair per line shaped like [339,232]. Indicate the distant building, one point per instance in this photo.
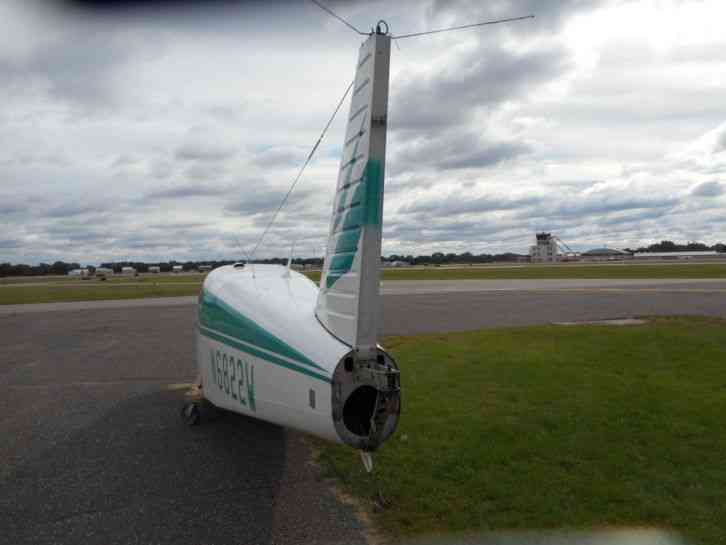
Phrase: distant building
[605,254]
[204,268]
[707,254]
[154,269]
[545,250]
[396,264]
[128,271]
[82,273]
[103,272]
[177,268]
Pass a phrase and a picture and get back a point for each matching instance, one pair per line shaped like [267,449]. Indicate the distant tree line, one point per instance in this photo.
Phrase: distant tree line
[168,266]
[437,258]
[670,246]
[59,267]
[62,267]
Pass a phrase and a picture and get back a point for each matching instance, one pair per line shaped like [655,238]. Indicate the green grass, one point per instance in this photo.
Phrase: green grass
[565,270]
[115,279]
[158,279]
[92,292]
[5,280]
[549,427]
[115,287]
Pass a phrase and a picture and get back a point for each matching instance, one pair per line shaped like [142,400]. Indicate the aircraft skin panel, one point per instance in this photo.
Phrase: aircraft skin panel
[349,288]
[269,357]
[239,381]
[260,350]
[263,306]
[222,319]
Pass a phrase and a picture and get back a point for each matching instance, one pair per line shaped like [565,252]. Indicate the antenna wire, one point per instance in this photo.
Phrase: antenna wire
[338,17]
[461,27]
[299,174]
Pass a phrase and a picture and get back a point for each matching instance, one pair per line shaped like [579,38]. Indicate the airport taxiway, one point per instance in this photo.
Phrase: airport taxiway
[94,451]
[413,306]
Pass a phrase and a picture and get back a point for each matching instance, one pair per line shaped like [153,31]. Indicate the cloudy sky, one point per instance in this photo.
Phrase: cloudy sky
[141,133]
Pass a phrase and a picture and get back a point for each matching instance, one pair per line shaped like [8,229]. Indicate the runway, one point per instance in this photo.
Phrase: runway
[413,306]
[94,450]
[462,311]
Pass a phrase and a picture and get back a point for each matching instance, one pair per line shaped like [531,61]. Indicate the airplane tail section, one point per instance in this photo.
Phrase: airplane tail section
[348,301]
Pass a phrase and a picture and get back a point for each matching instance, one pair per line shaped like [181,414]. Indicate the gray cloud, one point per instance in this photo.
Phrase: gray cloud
[8,243]
[10,208]
[477,80]
[259,198]
[186,191]
[630,218]
[33,159]
[70,210]
[72,227]
[77,66]
[550,14]
[85,236]
[201,151]
[141,243]
[177,225]
[161,169]
[708,189]
[476,218]
[485,156]
[604,203]
[124,160]
[457,235]
[454,150]
[454,205]
[279,157]
[721,140]
[204,171]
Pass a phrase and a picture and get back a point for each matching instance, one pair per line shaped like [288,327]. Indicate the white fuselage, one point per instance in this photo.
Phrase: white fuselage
[262,352]
[267,368]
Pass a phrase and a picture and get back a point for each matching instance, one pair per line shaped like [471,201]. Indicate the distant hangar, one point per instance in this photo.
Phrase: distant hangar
[606,253]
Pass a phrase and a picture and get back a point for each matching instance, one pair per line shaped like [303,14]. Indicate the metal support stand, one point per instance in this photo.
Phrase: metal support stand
[191,414]
[196,408]
[379,501]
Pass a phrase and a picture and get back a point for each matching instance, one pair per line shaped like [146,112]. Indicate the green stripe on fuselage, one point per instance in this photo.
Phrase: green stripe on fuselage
[260,355]
[217,315]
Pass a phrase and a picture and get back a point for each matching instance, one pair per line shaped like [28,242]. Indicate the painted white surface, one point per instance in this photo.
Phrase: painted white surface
[281,396]
[283,304]
[348,305]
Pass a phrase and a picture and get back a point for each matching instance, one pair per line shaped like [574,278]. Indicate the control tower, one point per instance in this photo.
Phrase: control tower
[546,249]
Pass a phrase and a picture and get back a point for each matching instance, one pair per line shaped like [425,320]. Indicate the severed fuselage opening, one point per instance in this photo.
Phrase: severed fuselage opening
[366,400]
[358,410]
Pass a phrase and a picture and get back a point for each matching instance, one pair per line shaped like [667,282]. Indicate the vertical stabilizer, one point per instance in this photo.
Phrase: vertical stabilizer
[348,303]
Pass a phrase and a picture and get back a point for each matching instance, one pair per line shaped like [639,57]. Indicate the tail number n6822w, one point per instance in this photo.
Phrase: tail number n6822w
[234,377]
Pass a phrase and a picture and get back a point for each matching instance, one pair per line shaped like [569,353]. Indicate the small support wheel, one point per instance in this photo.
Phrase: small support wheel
[191,414]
